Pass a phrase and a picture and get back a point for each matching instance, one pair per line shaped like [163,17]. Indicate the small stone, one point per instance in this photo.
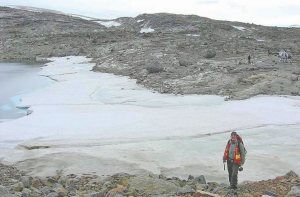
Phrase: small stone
[281,179]
[197,194]
[18,187]
[199,180]
[36,183]
[26,181]
[270,193]
[257,194]
[3,191]
[26,192]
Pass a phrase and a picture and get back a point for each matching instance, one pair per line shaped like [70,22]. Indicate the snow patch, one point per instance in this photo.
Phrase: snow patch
[294,26]
[147,30]
[194,35]
[140,20]
[34,9]
[31,9]
[239,28]
[83,17]
[109,23]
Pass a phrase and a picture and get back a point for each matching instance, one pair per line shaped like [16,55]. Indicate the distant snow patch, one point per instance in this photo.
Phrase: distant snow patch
[34,9]
[140,20]
[195,35]
[295,26]
[147,30]
[108,23]
[83,17]
[239,28]
[31,9]
[260,40]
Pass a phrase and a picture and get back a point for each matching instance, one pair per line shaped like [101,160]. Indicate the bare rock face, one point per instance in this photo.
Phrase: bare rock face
[209,53]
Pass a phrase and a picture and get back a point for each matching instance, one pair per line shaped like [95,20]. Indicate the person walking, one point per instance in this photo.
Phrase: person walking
[234,154]
[249,59]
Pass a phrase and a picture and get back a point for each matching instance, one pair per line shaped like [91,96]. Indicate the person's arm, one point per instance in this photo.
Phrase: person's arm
[224,160]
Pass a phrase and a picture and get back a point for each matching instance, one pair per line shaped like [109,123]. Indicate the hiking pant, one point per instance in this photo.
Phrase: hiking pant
[233,170]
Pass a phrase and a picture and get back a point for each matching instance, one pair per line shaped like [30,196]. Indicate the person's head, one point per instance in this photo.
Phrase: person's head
[233,136]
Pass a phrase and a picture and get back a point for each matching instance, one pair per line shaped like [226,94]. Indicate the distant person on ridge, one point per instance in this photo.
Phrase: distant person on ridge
[249,59]
[234,154]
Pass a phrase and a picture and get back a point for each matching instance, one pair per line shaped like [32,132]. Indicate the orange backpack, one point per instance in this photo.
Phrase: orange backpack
[240,140]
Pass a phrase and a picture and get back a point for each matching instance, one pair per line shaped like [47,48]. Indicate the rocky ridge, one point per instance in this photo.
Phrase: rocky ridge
[15,183]
[181,54]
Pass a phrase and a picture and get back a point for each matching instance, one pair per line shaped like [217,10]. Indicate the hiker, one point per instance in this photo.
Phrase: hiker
[234,154]
[249,59]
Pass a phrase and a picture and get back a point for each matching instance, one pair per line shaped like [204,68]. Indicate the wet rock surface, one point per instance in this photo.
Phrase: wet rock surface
[15,183]
[185,54]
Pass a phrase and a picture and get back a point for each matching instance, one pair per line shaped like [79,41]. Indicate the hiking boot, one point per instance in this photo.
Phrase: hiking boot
[233,187]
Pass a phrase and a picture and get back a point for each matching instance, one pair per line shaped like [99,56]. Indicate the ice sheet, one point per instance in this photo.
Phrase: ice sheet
[86,121]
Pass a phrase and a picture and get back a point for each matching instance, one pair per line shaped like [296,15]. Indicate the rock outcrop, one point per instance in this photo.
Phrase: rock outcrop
[193,54]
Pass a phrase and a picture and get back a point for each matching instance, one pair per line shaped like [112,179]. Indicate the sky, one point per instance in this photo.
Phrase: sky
[267,12]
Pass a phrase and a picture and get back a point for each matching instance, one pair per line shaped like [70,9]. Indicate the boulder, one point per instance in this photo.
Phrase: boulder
[295,191]
[26,180]
[148,185]
[199,180]
[154,67]
[210,53]
[291,174]
[184,62]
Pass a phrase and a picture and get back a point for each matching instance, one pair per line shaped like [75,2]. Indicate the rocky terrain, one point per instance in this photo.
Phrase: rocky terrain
[167,53]
[15,183]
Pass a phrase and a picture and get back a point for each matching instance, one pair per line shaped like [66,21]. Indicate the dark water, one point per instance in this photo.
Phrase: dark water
[17,79]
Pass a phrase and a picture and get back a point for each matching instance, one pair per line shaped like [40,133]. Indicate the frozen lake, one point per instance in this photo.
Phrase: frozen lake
[100,123]
[17,79]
